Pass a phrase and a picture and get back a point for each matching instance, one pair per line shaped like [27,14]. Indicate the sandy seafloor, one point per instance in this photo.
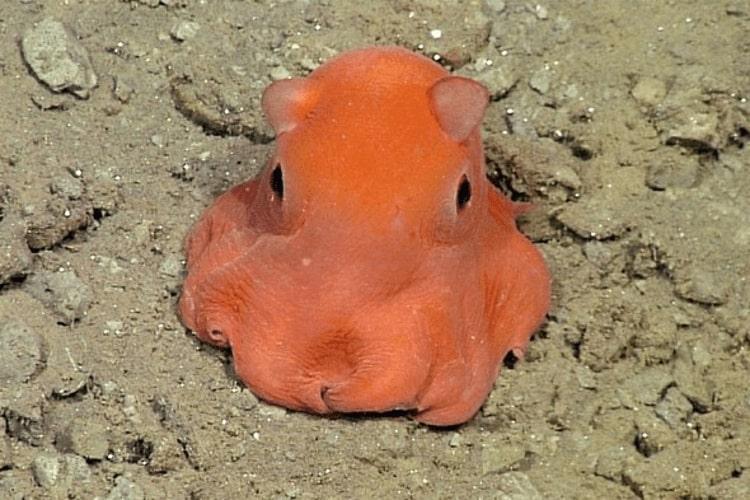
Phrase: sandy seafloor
[626,123]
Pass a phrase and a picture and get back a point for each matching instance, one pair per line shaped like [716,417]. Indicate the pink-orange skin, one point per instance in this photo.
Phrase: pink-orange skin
[364,287]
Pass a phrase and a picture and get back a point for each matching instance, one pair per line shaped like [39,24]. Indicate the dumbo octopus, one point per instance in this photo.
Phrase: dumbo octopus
[370,266]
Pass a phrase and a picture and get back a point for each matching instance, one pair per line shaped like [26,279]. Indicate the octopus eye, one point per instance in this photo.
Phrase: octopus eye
[277,182]
[463,196]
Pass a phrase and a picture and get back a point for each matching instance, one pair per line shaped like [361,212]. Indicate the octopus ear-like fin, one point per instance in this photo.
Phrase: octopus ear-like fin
[286,103]
[458,104]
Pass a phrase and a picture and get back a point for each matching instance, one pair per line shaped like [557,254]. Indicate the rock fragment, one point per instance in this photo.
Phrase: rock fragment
[681,469]
[612,461]
[167,456]
[184,30]
[674,409]
[593,218]
[57,59]
[88,440]
[517,486]
[104,191]
[668,175]
[279,73]
[703,286]
[122,89]
[60,218]
[494,6]
[171,266]
[23,416]
[22,352]
[67,187]
[63,293]
[501,457]
[5,458]
[456,440]
[125,489]
[690,378]
[652,434]
[15,256]
[646,387]
[649,91]
[51,102]
[46,471]
[534,169]
[498,80]
[731,488]
[540,11]
[737,9]
[541,81]
[698,131]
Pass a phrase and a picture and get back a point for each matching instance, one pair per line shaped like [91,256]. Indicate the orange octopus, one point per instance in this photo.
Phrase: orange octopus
[370,266]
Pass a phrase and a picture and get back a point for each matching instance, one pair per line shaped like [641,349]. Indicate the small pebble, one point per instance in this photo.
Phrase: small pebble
[540,11]
[271,411]
[108,388]
[541,81]
[498,80]
[738,9]
[495,6]
[280,73]
[456,440]
[158,140]
[171,266]
[184,30]
[113,326]
[122,90]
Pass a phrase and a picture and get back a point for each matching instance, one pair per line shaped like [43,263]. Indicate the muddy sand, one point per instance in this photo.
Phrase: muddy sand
[627,125]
